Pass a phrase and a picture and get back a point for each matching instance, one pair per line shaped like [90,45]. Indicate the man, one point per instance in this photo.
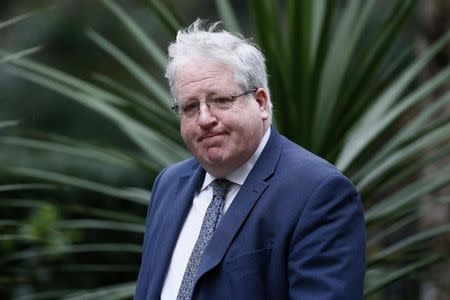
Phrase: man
[252,215]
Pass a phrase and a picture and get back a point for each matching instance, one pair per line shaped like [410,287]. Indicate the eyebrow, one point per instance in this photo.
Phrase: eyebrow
[209,94]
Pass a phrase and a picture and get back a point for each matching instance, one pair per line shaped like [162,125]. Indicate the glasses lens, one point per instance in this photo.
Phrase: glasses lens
[191,108]
[221,103]
[188,108]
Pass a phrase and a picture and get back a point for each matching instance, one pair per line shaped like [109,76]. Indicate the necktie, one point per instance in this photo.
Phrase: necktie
[210,221]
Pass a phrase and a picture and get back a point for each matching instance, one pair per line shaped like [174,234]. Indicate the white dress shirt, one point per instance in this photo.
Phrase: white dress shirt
[193,223]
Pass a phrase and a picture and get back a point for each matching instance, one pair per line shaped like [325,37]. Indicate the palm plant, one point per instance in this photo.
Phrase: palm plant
[337,89]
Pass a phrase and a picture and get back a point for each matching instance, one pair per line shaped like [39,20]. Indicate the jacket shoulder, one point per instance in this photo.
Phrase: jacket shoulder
[301,168]
[176,170]
[302,160]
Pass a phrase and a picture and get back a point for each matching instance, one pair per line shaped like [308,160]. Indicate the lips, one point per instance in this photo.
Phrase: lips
[210,135]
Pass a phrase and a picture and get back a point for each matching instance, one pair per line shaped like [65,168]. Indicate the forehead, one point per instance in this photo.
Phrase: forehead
[196,75]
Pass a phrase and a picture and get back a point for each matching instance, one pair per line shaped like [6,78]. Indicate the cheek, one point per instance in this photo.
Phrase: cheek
[189,136]
[186,133]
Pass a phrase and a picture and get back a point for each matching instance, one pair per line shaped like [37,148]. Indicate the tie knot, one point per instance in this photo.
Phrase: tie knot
[220,187]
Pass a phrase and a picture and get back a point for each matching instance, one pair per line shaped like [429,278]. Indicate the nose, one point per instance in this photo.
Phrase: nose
[206,118]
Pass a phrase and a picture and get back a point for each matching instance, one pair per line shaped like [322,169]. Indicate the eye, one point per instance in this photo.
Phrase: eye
[222,102]
[189,107]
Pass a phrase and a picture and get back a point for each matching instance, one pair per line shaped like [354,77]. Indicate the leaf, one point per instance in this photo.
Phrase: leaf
[118,291]
[423,125]
[131,194]
[395,228]
[397,274]
[407,195]
[408,153]
[166,14]
[370,125]
[228,16]
[148,44]
[137,71]
[89,152]
[22,17]
[5,58]
[337,60]
[416,239]
[101,225]
[61,78]
[8,123]
[73,249]
[157,146]
[25,186]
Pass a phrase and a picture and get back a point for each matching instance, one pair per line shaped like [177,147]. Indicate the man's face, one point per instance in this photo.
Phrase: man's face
[222,140]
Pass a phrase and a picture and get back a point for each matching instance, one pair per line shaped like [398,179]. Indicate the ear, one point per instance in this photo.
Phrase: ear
[262,98]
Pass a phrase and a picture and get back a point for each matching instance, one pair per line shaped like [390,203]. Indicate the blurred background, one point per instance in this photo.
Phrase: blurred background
[85,127]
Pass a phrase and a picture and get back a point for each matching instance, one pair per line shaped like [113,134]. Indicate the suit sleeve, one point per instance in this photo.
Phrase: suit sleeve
[152,206]
[143,274]
[328,247]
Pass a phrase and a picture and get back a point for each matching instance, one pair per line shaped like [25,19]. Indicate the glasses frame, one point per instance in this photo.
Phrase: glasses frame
[176,106]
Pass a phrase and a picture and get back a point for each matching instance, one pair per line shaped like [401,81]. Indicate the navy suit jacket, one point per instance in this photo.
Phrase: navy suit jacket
[295,230]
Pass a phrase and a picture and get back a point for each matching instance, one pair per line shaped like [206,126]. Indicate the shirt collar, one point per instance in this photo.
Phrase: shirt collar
[240,174]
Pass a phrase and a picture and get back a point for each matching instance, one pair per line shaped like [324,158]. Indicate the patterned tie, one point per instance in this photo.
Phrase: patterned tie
[210,221]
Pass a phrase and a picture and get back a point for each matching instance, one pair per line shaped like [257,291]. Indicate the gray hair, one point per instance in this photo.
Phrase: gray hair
[241,55]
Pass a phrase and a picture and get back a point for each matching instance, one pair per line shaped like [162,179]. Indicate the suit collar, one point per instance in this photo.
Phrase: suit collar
[248,195]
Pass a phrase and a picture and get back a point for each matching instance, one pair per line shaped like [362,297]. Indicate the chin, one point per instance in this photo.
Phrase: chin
[215,161]
[215,154]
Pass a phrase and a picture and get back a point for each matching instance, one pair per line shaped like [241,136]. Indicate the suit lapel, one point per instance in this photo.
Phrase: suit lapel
[248,195]
[170,227]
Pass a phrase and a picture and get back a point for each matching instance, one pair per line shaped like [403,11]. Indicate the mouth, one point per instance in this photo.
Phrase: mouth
[210,135]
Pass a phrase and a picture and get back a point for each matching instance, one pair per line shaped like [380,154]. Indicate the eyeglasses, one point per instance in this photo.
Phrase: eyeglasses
[191,108]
